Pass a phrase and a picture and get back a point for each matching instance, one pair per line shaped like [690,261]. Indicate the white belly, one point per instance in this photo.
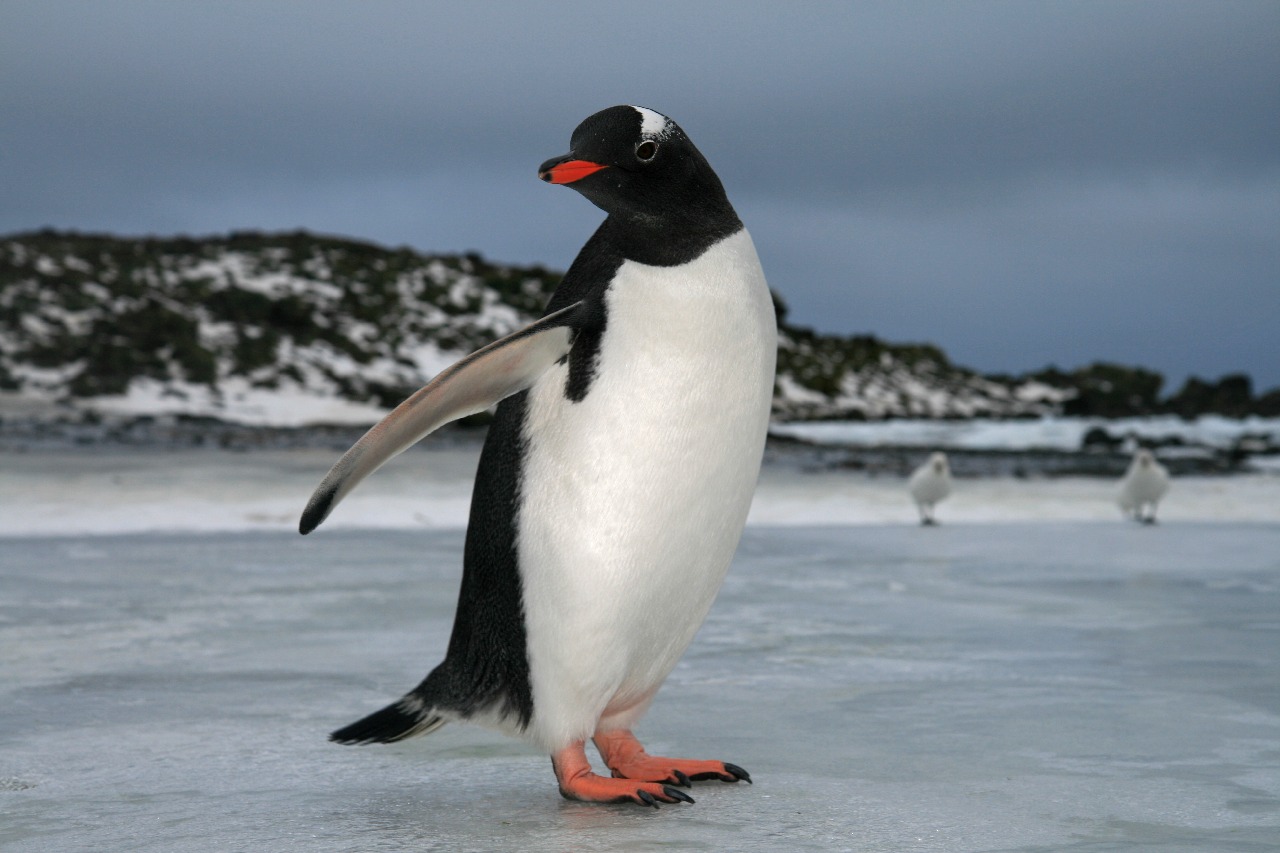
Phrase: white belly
[634,499]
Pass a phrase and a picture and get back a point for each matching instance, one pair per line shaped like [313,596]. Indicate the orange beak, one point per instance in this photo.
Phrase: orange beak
[562,171]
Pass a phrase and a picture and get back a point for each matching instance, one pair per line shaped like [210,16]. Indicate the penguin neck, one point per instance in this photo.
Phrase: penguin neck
[670,239]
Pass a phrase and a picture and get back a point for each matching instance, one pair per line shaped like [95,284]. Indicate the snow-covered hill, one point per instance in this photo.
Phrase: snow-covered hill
[293,329]
[282,329]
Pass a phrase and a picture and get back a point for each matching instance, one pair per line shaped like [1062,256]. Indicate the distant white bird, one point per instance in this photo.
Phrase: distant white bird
[1144,484]
[929,484]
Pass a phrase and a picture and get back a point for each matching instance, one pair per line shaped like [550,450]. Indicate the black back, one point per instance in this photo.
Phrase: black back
[663,211]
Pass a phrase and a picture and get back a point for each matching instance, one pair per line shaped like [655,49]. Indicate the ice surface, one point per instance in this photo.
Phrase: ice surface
[1034,675]
[974,687]
[133,490]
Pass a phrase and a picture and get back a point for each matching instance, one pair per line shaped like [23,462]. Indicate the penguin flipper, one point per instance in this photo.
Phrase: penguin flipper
[471,385]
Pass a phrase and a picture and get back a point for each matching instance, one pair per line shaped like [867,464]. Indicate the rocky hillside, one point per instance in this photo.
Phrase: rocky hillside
[293,328]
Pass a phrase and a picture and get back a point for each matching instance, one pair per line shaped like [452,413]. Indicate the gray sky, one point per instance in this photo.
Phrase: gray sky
[1020,183]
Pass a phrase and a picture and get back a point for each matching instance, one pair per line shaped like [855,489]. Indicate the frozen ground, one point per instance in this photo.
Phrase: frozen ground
[133,490]
[1034,675]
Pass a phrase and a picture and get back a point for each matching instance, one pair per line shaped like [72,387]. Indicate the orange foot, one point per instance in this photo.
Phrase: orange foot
[627,759]
[577,782]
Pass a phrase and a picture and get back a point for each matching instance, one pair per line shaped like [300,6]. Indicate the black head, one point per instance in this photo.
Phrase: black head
[638,166]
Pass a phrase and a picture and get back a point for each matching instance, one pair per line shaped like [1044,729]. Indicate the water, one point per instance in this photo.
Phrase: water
[1031,686]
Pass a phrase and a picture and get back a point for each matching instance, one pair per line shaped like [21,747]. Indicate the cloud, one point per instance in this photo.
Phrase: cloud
[1009,180]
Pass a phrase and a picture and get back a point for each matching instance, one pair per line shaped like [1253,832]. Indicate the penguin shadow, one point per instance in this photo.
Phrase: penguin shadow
[521,812]
[588,827]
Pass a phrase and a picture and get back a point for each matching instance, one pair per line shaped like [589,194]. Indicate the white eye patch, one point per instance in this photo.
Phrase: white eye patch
[653,125]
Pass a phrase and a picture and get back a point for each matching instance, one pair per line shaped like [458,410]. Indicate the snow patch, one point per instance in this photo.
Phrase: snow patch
[1062,434]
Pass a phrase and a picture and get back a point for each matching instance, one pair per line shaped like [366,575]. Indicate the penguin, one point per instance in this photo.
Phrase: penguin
[930,484]
[615,479]
[1142,487]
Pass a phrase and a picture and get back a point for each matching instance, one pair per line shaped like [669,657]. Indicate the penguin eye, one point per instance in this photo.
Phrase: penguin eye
[646,150]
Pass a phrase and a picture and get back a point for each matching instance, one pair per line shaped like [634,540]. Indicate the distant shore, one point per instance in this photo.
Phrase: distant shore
[889,448]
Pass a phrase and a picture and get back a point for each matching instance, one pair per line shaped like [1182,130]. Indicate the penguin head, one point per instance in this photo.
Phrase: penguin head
[638,165]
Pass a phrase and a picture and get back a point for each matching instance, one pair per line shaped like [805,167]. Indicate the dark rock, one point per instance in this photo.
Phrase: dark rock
[1097,438]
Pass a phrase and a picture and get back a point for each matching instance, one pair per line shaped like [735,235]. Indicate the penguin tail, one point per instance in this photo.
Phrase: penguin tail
[409,717]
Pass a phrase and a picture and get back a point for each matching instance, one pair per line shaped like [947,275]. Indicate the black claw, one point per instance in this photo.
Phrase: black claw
[648,799]
[682,779]
[737,773]
[676,793]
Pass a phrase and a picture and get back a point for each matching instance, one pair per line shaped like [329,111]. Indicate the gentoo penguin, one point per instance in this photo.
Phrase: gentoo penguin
[1144,484]
[929,484]
[616,476]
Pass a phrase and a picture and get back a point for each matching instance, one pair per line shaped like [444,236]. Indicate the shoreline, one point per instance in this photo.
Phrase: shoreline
[1106,457]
